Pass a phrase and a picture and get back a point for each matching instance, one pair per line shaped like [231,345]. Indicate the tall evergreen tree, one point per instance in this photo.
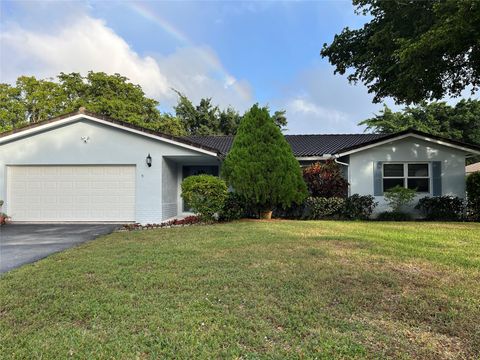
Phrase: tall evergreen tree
[261,166]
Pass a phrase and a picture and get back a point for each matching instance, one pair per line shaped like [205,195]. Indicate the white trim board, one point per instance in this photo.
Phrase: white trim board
[312,158]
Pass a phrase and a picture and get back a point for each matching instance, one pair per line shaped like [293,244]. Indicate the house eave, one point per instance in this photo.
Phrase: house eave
[313,158]
[444,142]
[28,131]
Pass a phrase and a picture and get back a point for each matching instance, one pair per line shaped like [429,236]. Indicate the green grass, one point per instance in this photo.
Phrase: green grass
[280,289]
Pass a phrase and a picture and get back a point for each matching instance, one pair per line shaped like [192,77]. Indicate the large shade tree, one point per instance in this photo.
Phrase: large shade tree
[260,166]
[32,100]
[411,50]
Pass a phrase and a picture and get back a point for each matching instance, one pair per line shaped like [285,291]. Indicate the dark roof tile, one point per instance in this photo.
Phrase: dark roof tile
[302,145]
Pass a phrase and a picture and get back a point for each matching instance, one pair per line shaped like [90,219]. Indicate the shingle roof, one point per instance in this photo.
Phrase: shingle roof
[302,145]
[317,145]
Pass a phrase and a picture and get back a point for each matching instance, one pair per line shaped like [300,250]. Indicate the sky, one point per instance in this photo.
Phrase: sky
[237,53]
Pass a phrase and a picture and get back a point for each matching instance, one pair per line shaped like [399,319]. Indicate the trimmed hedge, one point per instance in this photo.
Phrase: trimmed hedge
[473,195]
[445,208]
[358,207]
[234,208]
[394,216]
[324,208]
[355,207]
[205,194]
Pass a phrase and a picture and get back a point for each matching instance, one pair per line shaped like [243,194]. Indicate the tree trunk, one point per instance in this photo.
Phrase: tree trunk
[266,215]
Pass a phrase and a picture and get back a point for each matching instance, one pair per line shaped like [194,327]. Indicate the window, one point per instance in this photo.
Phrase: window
[410,175]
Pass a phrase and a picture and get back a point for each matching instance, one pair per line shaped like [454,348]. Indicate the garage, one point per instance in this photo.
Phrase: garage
[71,193]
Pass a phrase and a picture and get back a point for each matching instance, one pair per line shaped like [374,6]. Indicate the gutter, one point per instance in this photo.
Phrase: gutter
[335,158]
[339,162]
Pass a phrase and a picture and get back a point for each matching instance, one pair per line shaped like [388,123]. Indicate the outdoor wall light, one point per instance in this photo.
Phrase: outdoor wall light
[149,160]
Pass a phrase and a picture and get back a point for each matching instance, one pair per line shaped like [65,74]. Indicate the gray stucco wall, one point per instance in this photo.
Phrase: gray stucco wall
[361,169]
[106,146]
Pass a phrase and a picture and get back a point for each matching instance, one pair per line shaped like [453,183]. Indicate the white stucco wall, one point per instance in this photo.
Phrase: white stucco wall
[361,169]
[106,146]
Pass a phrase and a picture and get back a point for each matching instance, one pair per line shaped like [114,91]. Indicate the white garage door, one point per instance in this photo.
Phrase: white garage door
[71,193]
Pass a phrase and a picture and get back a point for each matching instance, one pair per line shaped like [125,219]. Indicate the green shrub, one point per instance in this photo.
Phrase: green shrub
[446,208]
[260,166]
[358,207]
[294,211]
[473,195]
[398,198]
[324,208]
[355,207]
[234,208]
[205,194]
[394,216]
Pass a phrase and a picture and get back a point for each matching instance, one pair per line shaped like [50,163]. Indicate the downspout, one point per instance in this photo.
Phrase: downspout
[335,158]
[339,162]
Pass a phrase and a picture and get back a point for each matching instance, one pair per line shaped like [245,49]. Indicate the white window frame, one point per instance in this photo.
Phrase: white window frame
[405,176]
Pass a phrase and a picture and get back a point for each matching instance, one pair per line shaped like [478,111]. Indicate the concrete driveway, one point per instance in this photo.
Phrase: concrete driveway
[25,243]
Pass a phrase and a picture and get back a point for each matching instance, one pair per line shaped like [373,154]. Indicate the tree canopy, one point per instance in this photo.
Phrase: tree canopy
[459,122]
[260,166]
[207,119]
[411,50]
[32,100]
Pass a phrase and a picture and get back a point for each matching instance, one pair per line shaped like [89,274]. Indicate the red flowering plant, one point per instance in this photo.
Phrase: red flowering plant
[325,180]
[189,220]
[3,217]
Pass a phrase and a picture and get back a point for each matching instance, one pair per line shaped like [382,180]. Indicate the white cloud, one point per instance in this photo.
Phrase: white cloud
[85,45]
[318,101]
[305,115]
[198,73]
[303,106]
[88,44]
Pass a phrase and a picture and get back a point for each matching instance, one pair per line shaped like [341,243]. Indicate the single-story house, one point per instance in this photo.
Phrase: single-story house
[86,167]
[470,169]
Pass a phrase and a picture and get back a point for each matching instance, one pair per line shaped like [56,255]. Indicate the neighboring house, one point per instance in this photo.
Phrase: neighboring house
[85,167]
[469,169]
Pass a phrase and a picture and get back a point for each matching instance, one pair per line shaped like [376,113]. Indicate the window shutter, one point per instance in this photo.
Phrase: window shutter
[377,179]
[436,178]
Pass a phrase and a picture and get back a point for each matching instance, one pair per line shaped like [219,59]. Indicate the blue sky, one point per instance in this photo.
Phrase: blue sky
[238,53]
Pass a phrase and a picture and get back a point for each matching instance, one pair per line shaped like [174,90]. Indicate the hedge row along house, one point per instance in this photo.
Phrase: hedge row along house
[84,167]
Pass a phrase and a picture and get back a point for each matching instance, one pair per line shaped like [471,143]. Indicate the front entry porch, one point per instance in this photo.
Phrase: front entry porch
[174,170]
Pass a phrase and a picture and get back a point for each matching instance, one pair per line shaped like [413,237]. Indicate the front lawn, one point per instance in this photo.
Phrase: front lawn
[280,289]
